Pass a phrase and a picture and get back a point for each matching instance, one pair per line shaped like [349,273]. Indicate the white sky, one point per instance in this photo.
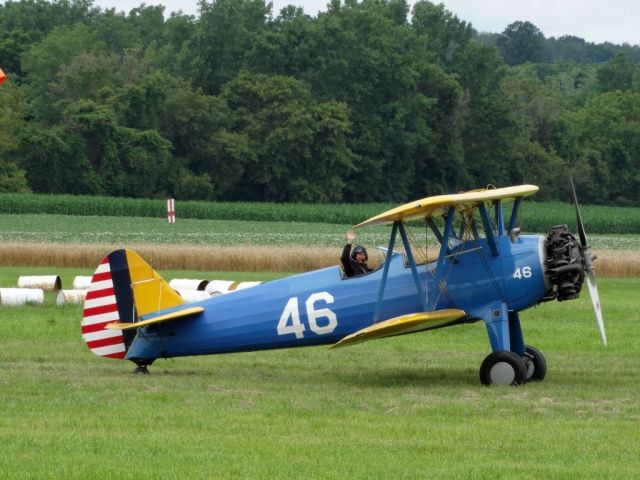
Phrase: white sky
[616,21]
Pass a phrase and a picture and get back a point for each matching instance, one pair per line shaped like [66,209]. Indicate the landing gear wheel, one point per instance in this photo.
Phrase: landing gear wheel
[141,369]
[536,364]
[503,368]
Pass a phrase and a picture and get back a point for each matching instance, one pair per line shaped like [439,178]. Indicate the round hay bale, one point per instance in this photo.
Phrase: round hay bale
[81,282]
[243,285]
[188,284]
[220,287]
[48,283]
[191,296]
[71,296]
[21,296]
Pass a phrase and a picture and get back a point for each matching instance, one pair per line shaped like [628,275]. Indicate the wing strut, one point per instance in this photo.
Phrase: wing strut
[488,229]
[514,213]
[444,244]
[412,264]
[385,272]
[499,217]
[398,225]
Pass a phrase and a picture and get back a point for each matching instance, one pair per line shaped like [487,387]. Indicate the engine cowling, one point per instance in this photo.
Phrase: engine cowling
[565,267]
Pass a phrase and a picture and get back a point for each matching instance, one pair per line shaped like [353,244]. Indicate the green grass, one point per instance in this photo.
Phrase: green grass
[407,407]
[144,230]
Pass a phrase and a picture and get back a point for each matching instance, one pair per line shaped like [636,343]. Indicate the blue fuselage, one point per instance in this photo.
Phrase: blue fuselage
[322,307]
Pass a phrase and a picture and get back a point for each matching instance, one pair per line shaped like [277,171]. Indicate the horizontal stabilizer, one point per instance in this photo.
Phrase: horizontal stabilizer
[187,312]
[411,323]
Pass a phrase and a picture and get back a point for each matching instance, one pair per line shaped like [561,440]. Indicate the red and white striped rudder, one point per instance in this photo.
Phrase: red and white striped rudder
[101,309]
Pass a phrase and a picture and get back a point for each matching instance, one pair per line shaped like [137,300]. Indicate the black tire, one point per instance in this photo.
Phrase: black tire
[503,368]
[141,370]
[536,364]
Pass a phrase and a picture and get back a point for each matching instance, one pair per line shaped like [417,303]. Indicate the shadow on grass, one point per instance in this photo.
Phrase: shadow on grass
[370,376]
[384,377]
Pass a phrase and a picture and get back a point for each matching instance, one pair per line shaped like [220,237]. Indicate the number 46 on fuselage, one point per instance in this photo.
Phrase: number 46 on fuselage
[485,271]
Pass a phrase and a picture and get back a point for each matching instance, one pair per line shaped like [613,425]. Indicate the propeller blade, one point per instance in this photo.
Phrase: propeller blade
[588,262]
[581,232]
[595,300]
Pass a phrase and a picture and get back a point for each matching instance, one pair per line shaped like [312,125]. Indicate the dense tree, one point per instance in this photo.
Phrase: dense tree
[44,60]
[212,156]
[521,42]
[300,145]
[444,32]
[24,23]
[617,74]
[366,101]
[224,35]
[608,133]
[487,115]
[12,107]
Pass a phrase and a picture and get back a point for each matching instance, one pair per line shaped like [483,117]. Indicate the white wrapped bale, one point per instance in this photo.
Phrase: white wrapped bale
[191,296]
[81,282]
[220,287]
[48,283]
[243,285]
[71,296]
[188,284]
[21,296]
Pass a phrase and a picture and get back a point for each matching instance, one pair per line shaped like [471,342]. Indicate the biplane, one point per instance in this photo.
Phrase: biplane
[485,271]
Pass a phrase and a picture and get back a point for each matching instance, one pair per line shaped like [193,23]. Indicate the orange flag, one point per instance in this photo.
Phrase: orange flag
[3,77]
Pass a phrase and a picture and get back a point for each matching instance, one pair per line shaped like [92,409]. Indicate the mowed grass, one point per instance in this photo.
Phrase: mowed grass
[406,407]
[144,230]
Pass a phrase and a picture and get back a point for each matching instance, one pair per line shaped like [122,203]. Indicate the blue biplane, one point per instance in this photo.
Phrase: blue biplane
[485,270]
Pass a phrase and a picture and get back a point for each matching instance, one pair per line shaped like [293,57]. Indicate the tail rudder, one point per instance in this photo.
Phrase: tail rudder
[122,288]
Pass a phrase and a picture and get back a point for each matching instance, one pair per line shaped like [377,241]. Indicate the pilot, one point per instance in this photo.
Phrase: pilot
[356,263]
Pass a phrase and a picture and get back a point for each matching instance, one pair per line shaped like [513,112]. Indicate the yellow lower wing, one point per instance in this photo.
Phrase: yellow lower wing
[413,322]
[187,312]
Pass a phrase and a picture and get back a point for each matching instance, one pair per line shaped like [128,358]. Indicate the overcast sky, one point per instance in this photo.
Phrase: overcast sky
[616,21]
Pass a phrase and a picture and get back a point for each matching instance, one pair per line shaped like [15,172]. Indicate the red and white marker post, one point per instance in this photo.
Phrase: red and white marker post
[171,211]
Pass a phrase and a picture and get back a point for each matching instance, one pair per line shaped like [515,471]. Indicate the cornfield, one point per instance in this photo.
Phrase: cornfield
[536,216]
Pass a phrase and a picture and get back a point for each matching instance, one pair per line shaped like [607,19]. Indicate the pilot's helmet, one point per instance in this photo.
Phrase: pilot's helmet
[357,249]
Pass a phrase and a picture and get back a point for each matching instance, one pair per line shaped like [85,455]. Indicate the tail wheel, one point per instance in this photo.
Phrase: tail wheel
[536,364]
[503,368]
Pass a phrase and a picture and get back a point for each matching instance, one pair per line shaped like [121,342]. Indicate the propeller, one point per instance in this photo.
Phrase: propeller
[588,263]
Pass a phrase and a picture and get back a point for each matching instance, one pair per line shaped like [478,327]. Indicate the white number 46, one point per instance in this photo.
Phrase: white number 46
[524,272]
[290,318]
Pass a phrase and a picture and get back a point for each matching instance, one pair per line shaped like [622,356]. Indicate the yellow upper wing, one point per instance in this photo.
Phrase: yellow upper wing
[434,206]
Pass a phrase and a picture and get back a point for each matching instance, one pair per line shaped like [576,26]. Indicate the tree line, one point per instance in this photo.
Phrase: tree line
[368,101]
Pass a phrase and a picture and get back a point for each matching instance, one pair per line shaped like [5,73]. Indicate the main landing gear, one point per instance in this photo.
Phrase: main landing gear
[504,367]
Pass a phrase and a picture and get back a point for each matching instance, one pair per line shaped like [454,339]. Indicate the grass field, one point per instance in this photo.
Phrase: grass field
[144,230]
[407,407]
